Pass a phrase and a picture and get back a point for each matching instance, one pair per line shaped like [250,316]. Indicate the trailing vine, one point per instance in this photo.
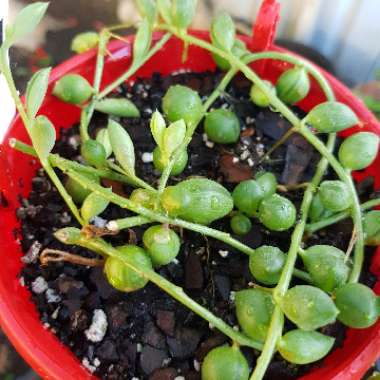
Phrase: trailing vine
[331,290]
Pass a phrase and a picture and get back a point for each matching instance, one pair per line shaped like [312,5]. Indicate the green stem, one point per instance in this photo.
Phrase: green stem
[210,100]
[302,275]
[28,124]
[356,213]
[158,217]
[62,191]
[276,325]
[303,130]
[89,110]
[154,215]
[314,227]
[134,67]
[22,147]
[279,142]
[131,221]
[134,180]
[277,321]
[65,164]
[100,246]
[274,334]
[314,72]
[246,70]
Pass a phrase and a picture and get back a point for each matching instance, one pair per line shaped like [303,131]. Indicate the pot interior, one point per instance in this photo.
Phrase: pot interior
[18,316]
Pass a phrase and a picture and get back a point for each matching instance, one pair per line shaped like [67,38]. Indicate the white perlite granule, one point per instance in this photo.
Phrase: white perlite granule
[147,157]
[99,222]
[39,285]
[52,296]
[179,378]
[55,312]
[223,253]
[86,364]
[32,254]
[98,327]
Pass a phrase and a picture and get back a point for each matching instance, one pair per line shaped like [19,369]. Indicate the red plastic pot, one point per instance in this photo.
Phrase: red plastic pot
[18,316]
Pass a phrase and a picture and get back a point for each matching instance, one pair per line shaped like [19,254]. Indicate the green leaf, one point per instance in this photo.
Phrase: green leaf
[327,266]
[122,147]
[359,150]
[254,309]
[43,136]
[197,200]
[26,21]
[120,107]
[164,9]
[147,9]
[83,42]
[304,347]
[331,117]
[143,40]
[358,305]
[103,138]
[92,206]
[157,127]
[36,91]
[308,307]
[173,136]
[371,227]
[183,12]
[223,31]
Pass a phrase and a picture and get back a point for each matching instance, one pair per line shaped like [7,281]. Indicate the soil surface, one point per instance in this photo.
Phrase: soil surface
[146,334]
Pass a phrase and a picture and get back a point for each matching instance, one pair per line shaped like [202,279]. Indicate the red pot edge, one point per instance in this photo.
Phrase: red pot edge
[356,368]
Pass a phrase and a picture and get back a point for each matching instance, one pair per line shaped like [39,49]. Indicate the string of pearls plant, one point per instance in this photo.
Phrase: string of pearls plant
[331,289]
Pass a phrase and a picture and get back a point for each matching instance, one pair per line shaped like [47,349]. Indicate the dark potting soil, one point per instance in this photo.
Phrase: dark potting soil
[146,334]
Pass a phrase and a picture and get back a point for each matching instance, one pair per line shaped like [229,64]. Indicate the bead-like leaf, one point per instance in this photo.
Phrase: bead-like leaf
[359,150]
[359,306]
[223,31]
[26,21]
[122,147]
[43,136]
[308,307]
[92,206]
[143,40]
[103,138]
[120,107]
[147,9]
[197,200]
[303,347]
[84,42]
[183,12]
[330,117]
[164,8]
[327,266]
[157,127]
[36,91]
[371,227]
[254,309]
[173,136]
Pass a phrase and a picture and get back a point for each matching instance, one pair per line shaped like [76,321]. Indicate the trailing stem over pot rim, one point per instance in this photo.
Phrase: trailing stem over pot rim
[330,289]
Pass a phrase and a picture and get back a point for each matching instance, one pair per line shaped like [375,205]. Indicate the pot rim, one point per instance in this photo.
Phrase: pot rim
[347,369]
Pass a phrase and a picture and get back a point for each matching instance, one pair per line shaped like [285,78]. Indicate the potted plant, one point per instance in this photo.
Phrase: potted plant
[282,302]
